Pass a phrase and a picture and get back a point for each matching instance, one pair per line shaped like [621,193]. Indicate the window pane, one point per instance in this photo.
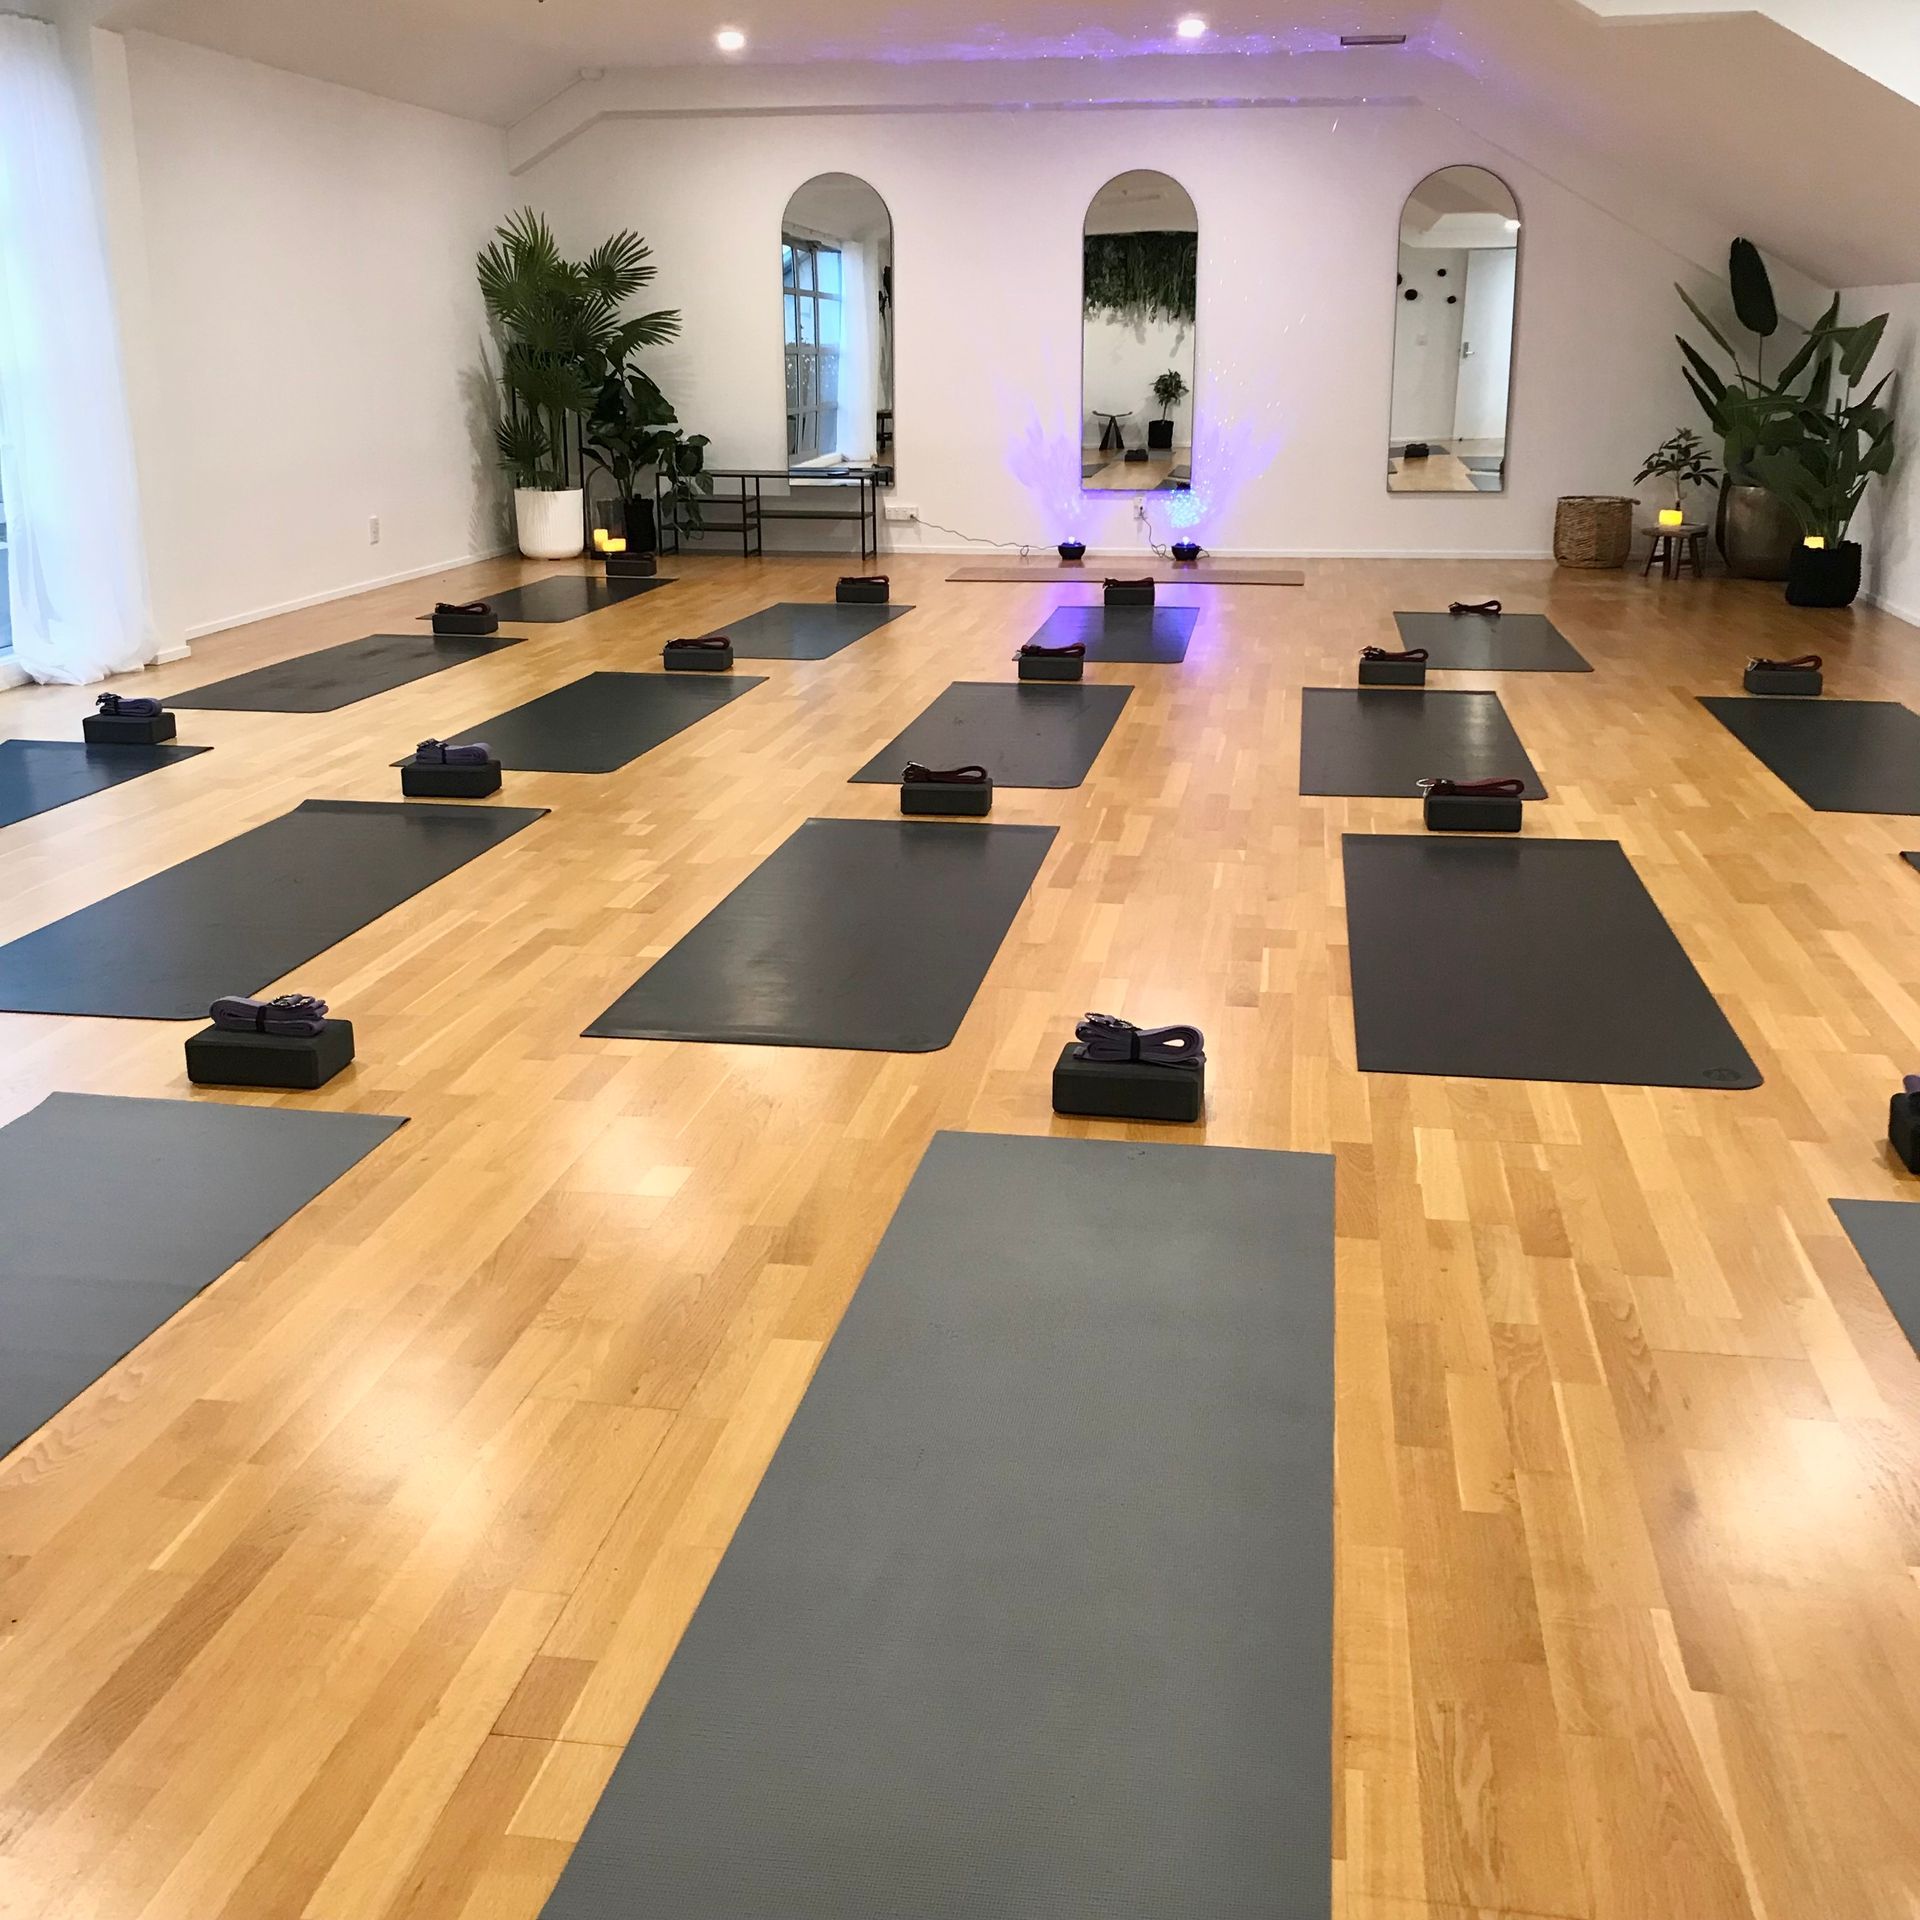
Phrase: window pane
[793,324]
[786,264]
[829,270]
[809,332]
[829,323]
[805,258]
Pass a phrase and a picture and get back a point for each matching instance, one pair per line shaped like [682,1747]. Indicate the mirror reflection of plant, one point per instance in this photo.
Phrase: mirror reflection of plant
[1681,460]
[1137,278]
[562,337]
[1170,389]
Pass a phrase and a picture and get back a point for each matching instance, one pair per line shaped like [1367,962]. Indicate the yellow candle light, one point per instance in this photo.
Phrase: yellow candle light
[1672,517]
[611,545]
[600,538]
[1816,540]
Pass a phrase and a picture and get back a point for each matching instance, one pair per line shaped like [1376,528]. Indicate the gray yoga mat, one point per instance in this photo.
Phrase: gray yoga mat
[1384,741]
[599,723]
[1129,636]
[39,775]
[245,913]
[1886,1235]
[339,676]
[866,934]
[804,629]
[1024,734]
[1032,1613]
[1525,960]
[566,596]
[1839,756]
[117,1212]
[1490,643]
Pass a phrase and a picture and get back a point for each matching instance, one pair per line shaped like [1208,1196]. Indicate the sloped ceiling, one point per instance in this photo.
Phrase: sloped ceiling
[1745,122]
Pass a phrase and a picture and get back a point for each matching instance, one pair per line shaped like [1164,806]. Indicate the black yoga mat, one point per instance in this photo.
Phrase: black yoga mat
[1525,960]
[1886,1235]
[1385,740]
[38,775]
[241,915]
[566,596]
[804,629]
[1132,636]
[1490,643]
[599,723]
[1025,735]
[117,1212]
[339,676]
[1839,756]
[866,934]
[1032,1613]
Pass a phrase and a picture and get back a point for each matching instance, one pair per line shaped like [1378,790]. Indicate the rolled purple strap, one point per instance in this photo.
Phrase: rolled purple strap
[290,1016]
[451,753]
[1067,650]
[115,707]
[1912,1083]
[972,775]
[1105,1036]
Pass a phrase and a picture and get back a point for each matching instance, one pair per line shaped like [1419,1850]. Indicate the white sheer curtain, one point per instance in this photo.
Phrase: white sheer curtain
[856,395]
[77,569]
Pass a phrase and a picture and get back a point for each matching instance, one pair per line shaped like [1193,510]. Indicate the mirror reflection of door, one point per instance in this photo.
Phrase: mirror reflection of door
[1453,334]
[836,296]
[1139,281]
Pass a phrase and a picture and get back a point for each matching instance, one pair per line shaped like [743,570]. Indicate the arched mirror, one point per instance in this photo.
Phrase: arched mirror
[836,294]
[1139,281]
[1453,334]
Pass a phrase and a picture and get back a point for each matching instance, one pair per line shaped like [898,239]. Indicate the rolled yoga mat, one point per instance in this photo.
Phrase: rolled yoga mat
[1496,643]
[599,723]
[1130,636]
[1384,741]
[338,676]
[1886,1235]
[1025,735]
[866,934]
[804,629]
[119,1211]
[39,775]
[1032,1614]
[1524,960]
[247,912]
[1839,756]
[566,596]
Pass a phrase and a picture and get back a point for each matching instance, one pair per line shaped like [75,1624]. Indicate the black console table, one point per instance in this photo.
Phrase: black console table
[742,503]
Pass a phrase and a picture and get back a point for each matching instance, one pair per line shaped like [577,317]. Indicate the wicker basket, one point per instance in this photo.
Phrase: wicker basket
[1593,530]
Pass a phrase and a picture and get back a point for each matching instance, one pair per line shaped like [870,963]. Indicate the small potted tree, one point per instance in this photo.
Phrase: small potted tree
[1682,462]
[1169,390]
[633,434]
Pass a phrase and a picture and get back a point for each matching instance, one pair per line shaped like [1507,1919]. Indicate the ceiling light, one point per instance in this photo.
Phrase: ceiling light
[1191,28]
[1373,39]
[729,39]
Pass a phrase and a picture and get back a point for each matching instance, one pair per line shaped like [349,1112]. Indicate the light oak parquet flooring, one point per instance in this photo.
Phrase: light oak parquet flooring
[339,1597]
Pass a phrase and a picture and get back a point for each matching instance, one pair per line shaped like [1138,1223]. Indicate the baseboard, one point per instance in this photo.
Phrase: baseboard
[1899,610]
[228,622]
[980,551]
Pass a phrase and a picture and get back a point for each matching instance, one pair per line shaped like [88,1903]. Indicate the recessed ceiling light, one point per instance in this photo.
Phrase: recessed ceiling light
[1373,39]
[1191,28]
[729,39]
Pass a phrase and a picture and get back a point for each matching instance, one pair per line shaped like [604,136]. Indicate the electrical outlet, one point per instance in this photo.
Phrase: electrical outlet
[898,511]
[373,529]
[1140,511]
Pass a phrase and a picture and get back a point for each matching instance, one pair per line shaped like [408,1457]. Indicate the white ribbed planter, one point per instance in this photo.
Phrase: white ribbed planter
[548,523]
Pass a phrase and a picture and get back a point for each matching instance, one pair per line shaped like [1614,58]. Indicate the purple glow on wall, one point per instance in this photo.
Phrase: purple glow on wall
[992,42]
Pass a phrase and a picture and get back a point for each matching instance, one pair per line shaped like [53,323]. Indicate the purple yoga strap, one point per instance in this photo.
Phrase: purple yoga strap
[1508,789]
[448,753]
[1105,1036]
[967,776]
[712,644]
[291,1015]
[118,707]
[1068,650]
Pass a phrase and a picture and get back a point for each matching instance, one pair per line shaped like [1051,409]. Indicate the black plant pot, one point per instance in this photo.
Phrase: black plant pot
[1073,549]
[643,535]
[1186,551]
[1160,435]
[1824,576]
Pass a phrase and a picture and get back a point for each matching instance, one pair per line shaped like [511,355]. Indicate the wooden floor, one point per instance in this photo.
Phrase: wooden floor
[339,1598]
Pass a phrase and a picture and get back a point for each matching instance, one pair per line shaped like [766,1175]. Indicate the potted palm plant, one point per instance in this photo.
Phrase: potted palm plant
[562,339]
[1170,389]
[1842,441]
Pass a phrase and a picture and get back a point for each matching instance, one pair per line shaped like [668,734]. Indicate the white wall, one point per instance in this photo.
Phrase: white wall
[313,313]
[1426,344]
[1889,523]
[1299,210]
[1486,333]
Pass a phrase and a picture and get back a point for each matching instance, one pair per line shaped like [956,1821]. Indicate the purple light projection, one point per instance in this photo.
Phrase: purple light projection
[992,41]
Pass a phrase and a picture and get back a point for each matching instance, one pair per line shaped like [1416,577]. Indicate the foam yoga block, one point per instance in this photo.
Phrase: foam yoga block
[1903,1124]
[216,1058]
[950,790]
[439,780]
[1070,663]
[128,729]
[1126,1089]
[465,617]
[712,655]
[1472,806]
[630,566]
[1129,593]
[863,590]
[1785,676]
[1379,668]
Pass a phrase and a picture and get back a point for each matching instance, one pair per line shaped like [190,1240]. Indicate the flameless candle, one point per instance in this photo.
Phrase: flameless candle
[611,545]
[1672,517]
[600,538]
[1816,540]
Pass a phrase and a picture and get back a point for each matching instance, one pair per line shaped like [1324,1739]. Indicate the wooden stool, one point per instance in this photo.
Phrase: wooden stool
[1675,547]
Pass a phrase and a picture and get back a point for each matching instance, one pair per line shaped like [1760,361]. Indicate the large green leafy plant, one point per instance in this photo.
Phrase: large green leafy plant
[633,433]
[562,338]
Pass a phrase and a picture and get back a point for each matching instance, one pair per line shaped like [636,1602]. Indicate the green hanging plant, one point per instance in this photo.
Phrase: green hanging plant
[1137,278]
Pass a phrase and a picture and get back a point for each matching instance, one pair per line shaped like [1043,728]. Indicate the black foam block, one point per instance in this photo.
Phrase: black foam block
[1393,673]
[697,659]
[1065,667]
[1789,680]
[1903,1130]
[1472,813]
[972,799]
[128,729]
[1127,593]
[1128,1089]
[457,623]
[217,1058]
[430,780]
[857,592]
